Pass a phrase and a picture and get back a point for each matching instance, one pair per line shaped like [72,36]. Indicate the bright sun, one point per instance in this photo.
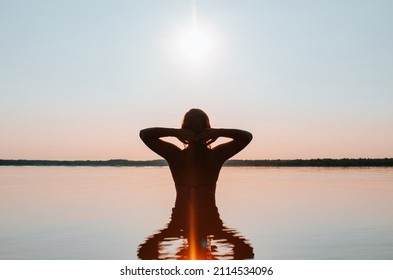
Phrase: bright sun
[195,44]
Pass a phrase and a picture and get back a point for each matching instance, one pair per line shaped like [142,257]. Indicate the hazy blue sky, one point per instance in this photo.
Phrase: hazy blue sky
[79,79]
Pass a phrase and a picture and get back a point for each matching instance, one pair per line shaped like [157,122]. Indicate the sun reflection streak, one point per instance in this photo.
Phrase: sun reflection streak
[192,239]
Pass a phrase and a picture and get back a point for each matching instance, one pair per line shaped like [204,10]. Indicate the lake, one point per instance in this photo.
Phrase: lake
[258,212]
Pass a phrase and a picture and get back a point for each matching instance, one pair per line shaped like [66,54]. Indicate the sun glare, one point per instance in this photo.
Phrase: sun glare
[195,44]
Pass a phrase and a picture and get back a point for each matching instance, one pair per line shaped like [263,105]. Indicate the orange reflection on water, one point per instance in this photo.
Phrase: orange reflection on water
[193,243]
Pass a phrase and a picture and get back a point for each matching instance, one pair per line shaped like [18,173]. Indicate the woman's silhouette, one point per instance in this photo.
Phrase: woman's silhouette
[195,169]
[197,164]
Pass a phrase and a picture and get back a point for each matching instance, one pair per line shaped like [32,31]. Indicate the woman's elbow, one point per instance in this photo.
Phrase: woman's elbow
[249,136]
[142,134]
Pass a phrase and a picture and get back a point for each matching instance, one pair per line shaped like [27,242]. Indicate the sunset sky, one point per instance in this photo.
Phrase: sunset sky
[309,79]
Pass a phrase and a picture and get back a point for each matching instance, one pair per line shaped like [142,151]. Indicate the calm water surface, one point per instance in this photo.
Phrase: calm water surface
[272,213]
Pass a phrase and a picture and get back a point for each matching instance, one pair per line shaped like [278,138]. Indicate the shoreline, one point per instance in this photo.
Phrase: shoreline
[326,162]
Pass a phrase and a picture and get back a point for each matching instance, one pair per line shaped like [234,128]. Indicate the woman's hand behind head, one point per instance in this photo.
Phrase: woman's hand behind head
[208,136]
[186,136]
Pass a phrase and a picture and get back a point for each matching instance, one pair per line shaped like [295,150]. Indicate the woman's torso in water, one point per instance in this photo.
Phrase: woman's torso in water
[195,166]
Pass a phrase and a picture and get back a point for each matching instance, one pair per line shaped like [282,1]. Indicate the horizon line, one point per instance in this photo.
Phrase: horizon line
[318,162]
[157,159]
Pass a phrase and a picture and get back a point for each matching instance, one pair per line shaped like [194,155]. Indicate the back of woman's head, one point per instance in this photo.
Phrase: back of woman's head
[196,120]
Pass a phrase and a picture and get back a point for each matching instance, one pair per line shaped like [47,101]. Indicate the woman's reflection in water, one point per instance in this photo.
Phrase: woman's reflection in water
[195,232]
[195,220]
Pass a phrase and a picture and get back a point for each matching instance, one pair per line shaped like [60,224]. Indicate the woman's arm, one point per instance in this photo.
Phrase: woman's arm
[184,135]
[240,139]
[151,137]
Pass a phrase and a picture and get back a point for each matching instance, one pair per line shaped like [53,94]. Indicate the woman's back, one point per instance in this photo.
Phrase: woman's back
[195,166]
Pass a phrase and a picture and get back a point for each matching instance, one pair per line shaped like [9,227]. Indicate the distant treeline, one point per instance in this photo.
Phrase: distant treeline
[112,162]
[326,162]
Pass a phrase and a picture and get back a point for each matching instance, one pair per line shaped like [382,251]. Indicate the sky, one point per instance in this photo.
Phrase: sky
[309,79]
